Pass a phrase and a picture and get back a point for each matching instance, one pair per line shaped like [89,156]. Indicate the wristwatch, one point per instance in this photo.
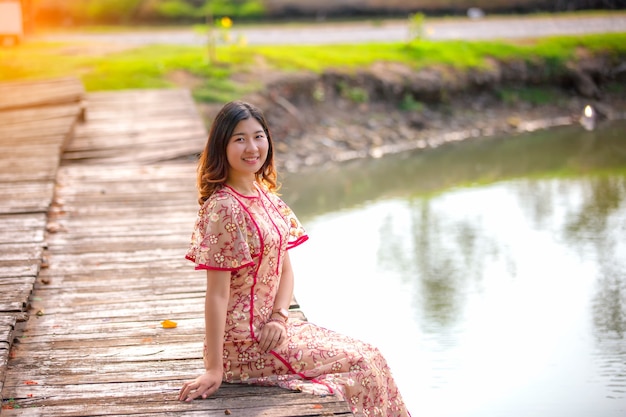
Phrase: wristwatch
[282,312]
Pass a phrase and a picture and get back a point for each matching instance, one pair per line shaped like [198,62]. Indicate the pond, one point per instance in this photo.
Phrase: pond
[491,273]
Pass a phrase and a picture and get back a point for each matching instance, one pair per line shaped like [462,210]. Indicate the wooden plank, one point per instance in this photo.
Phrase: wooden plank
[21,230]
[152,126]
[14,298]
[22,94]
[26,197]
[21,269]
[31,115]
[7,320]
[31,142]
[30,163]
[6,337]
[7,327]
[37,128]
[238,400]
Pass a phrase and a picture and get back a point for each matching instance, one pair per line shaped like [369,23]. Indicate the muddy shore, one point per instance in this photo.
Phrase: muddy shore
[337,116]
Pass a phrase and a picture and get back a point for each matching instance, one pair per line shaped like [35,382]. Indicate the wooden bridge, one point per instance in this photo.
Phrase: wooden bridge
[97,198]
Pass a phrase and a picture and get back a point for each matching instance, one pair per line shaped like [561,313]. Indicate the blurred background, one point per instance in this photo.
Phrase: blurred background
[465,199]
[77,12]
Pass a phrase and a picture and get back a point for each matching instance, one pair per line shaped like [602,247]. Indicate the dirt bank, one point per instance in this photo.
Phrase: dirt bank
[341,115]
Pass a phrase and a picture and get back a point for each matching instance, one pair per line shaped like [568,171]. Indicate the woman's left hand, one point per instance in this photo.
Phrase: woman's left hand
[272,335]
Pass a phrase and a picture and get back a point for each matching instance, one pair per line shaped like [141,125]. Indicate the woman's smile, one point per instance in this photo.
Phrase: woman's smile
[246,152]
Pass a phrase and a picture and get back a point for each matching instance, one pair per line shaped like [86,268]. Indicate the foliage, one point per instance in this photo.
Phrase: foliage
[242,9]
[72,11]
[409,104]
[125,11]
[175,9]
[416,27]
[354,94]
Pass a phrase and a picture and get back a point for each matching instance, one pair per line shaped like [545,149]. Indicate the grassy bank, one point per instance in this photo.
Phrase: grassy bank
[103,67]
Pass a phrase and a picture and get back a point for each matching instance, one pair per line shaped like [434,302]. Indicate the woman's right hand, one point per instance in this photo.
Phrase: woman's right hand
[203,386]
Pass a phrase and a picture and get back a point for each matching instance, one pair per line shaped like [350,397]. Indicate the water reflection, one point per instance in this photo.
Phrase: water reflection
[498,267]
[558,152]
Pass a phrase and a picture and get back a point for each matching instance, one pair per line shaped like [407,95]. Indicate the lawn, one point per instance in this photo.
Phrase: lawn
[103,67]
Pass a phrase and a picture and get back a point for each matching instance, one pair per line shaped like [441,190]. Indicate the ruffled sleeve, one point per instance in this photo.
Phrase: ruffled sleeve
[297,234]
[220,239]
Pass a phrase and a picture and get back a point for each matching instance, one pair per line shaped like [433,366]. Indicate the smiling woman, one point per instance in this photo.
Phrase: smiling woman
[242,237]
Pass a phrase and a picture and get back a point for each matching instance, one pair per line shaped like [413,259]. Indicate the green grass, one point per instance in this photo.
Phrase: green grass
[152,66]
[457,54]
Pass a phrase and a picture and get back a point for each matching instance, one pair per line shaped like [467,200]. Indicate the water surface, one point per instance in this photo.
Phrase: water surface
[492,273]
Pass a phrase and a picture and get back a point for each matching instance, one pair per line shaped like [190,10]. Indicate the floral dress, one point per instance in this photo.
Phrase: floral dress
[249,236]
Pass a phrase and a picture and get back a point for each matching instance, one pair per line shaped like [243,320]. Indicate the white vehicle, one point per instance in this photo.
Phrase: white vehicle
[11,26]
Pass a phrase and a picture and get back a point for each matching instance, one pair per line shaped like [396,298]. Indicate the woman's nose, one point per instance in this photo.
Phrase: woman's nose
[251,145]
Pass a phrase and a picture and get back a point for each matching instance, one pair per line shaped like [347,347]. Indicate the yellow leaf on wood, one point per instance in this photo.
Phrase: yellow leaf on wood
[168,324]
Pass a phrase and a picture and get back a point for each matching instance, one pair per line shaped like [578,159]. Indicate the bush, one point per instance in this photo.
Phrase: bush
[175,9]
[127,11]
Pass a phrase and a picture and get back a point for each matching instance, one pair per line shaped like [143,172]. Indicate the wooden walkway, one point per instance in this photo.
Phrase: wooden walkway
[105,255]
[36,121]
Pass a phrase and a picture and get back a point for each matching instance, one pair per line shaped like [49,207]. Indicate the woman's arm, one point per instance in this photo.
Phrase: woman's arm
[215,307]
[285,287]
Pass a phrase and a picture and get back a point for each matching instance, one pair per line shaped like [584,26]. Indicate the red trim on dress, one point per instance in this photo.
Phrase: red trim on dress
[261,245]
[280,235]
[300,374]
[298,242]
[203,267]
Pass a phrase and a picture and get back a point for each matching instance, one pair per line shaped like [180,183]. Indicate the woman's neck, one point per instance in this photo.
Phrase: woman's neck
[244,186]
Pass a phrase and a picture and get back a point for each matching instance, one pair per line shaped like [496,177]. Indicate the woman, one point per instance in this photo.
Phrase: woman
[241,238]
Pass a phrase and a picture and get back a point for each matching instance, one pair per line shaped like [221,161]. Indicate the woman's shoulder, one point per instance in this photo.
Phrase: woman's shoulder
[220,198]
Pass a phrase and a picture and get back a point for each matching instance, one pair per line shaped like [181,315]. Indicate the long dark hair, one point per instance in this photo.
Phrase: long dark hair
[213,164]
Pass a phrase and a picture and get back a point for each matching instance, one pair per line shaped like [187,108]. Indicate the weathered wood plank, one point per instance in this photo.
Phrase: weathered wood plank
[7,327]
[21,229]
[141,102]
[15,293]
[26,197]
[37,129]
[151,126]
[238,400]
[24,269]
[32,115]
[19,251]
[5,332]
[15,95]
[6,320]
[24,165]
[32,137]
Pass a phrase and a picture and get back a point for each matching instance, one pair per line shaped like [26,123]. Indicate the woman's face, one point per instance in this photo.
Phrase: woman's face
[247,148]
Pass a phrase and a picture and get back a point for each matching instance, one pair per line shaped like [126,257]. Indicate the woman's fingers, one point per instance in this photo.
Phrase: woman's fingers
[201,390]
[203,386]
[271,336]
[184,391]
[197,390]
